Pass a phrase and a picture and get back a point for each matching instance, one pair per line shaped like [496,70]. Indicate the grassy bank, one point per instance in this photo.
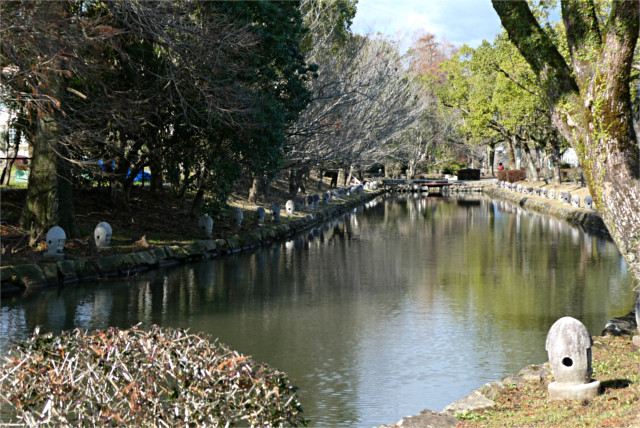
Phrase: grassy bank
[161,219]
[615,364]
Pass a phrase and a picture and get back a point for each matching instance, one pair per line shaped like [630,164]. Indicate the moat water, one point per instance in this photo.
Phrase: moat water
[404,304]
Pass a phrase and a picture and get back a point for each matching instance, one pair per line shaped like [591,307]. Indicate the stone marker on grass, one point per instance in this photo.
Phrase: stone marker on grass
[588,202]
[326,198]
[205,224]
[575,201]
[102,235]
[236,218]
[260,215]
[290,207]
[56,239]
[275,210]
[569,347]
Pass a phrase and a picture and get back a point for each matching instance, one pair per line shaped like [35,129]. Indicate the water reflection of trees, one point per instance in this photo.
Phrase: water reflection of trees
[507,262]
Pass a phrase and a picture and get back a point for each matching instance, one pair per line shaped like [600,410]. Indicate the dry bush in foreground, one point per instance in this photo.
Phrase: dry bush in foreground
[160,377]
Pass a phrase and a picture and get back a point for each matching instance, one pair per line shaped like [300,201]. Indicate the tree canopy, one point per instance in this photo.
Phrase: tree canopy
[589,98]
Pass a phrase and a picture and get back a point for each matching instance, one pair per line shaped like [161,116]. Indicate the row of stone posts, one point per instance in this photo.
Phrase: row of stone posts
[309,203]
[546,193]
[56,239]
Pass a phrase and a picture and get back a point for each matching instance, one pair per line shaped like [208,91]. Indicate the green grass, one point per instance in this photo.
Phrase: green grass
[616,365]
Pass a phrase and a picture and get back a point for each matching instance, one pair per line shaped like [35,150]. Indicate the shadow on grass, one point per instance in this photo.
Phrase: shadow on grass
[615,384]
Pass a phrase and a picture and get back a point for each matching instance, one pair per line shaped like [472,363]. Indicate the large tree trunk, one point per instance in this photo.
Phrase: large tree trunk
[348,180]
[512,152]
[293,189]
[253,192]
[120,186]
[49,200]
[266,186]
[199,196]
[533,171]
[157,179]
[591,107]
[491,155]
[555,163]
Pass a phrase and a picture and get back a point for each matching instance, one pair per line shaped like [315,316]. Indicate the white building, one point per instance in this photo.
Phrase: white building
[571,157]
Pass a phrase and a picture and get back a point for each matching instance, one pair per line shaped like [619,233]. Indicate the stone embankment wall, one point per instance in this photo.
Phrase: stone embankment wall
[25,278]
[582,216]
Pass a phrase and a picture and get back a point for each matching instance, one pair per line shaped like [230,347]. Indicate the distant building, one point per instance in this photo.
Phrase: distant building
[570,157]
[23,150]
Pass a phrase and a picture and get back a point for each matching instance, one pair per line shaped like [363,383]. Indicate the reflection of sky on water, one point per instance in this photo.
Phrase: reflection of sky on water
[409,303]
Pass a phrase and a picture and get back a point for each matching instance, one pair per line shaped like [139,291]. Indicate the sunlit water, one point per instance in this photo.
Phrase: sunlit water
[403,305]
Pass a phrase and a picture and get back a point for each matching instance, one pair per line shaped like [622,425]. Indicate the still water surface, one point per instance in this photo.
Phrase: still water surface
[405,304]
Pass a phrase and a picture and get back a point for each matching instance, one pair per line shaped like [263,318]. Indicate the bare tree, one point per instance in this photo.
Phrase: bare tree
[363,99]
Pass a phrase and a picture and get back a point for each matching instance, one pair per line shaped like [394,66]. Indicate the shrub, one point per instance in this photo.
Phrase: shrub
[575,174]
[469,174]
[163,377]
[512,175]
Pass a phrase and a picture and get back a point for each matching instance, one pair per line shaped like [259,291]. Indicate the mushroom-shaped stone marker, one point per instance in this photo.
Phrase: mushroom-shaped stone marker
[575,201]
[326,197]
[56,239]
[275,210]
[102,235]
[569,347]
[205,224]
[290,206]
[552,194]
[236,218]
[588,202]
[260,215]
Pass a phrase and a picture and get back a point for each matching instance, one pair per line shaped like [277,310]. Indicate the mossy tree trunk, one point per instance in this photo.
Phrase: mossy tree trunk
[253,191]
[49,200]
[533,171]
[511,151]
[591,103]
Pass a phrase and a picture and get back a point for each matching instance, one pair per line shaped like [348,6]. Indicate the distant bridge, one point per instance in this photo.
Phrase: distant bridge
[434,187]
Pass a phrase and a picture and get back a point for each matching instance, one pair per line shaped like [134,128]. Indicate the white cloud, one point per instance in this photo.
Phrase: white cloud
[457,21]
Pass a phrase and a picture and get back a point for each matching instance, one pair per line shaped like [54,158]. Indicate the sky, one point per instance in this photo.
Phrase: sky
[455,21]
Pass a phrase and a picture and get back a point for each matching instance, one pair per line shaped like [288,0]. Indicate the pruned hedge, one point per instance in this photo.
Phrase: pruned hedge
[469,174]
[512,175]
[160,377]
